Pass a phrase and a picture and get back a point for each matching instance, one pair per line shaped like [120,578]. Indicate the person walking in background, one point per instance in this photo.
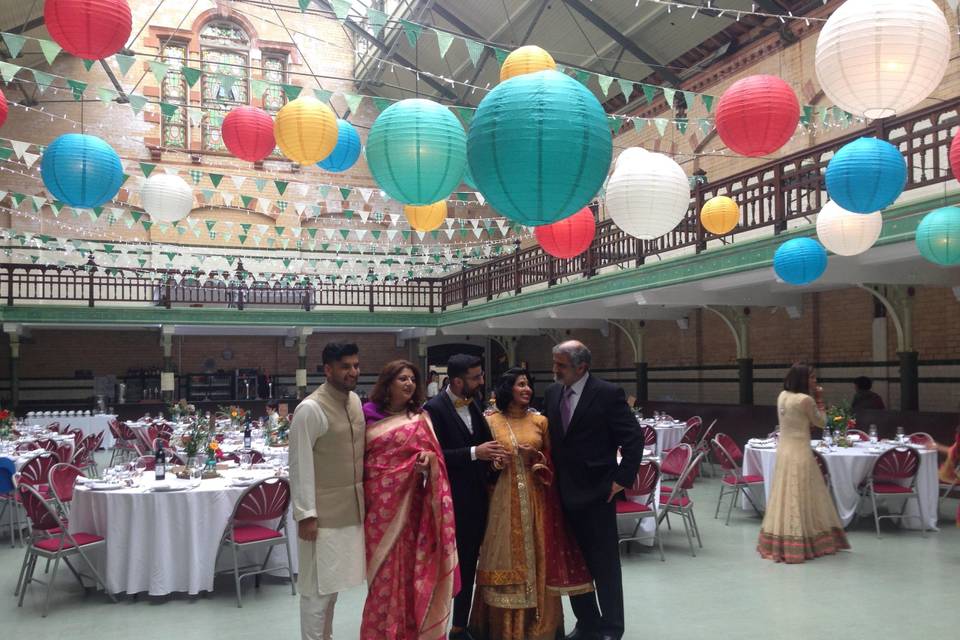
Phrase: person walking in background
[468,449]
[801,522]
[409,524]
[864,397]
[433,387]
[327,441]
[589,421]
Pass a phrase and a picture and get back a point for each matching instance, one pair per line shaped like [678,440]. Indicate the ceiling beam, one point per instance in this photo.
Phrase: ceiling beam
[27,26]
[612,32]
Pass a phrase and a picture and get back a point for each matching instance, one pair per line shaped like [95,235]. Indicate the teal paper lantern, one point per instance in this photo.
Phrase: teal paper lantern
[468,178]
[938,236]
[800,261]
[866,175]
[81,170]
[346,152]
[539,147]
[417,151]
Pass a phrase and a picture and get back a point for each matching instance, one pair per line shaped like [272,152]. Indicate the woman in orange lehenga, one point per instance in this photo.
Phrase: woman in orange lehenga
[518,584]
[411,549]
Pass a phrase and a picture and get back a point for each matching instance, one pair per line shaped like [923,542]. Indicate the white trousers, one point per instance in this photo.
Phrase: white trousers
[316,616]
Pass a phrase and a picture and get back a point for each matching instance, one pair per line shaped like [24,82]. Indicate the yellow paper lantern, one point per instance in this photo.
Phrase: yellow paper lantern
[720,215]
[306,130]
[527,59]
[427,217]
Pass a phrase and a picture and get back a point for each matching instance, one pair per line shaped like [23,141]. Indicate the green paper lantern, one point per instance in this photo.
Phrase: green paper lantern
[539,147]
[938,236]
[417,151]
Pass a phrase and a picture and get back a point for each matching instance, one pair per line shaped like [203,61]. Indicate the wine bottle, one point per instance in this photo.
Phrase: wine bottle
[247,437]
[161,464]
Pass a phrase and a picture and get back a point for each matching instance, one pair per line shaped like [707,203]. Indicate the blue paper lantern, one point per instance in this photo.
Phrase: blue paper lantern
[417,151]
[346,152]
[800,261]
[539,147]
[82,171]
[938,236]
[866,175]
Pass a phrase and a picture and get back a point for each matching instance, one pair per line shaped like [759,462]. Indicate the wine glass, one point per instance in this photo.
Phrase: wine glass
[900,435]
[246,460]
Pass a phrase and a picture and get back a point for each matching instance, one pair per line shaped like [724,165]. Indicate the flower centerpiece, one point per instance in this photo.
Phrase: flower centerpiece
[6,423]
[195,438]
[181,409]
[278,434]
[840,418]
[235,414]
[214,454]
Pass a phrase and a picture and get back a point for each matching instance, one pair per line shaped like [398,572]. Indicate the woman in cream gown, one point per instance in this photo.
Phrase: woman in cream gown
[801,521]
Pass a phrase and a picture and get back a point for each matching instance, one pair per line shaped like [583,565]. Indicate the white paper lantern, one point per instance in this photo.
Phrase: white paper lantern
[630,154]
[846,233]
[878,58]
[166,198]
[647,195]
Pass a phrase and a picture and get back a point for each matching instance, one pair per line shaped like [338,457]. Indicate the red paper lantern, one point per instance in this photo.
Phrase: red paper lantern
[955,156]
[89,29]
[4,108]
[248,133]
[757,115]
[568,237]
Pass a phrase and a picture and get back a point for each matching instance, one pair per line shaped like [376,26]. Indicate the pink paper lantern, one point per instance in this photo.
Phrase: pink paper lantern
[568,237]
[89,29]
[955,156]
[757,115]
[4,108]
[248,133]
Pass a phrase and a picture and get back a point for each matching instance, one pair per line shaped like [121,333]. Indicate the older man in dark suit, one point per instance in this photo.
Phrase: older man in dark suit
[468,448]
[589,421]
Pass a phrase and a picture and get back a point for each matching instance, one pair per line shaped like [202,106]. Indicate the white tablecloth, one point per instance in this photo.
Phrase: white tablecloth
[164,542]
[669,434]
[87,424]
[849,467]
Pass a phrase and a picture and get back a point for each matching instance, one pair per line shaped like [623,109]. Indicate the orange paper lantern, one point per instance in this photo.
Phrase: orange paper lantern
[720,215]
[527,59]
[427,217]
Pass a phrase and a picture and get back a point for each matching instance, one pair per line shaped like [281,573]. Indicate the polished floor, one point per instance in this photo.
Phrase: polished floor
[902,586]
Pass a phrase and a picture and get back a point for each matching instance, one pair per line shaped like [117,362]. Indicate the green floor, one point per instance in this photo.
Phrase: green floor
[901,586]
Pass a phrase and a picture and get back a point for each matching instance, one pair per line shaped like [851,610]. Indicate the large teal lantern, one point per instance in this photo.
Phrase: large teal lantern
[539,147]
[417,151]
[82,171]
[938,236]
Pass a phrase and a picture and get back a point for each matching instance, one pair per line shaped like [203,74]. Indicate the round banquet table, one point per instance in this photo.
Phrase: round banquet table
[669,434]
[165,542]
[849,467]
[99,423]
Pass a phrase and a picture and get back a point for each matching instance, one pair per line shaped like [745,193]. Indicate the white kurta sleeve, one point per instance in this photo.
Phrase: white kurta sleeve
[308,425]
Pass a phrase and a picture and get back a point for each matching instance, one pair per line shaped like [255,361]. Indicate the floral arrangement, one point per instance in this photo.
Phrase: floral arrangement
[214,452]
[6,423]
[840,418]
[279,435]
[195,438]
[181,408]
[235,414]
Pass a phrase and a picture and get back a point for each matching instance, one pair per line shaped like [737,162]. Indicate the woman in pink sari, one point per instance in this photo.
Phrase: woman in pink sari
[411,546]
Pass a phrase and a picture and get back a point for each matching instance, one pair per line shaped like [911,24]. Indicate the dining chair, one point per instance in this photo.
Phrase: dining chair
[679,502]
[734,482]
[644,484]
[649,435]
[62,479]
[9,500]
[894,475]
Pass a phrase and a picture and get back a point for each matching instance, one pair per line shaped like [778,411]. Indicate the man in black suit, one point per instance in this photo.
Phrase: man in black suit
[589,420]
[468,448]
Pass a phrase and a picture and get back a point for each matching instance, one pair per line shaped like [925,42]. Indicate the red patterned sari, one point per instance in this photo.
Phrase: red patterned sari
[411,545]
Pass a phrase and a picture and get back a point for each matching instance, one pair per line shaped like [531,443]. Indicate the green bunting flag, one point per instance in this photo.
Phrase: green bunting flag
[147,169]
[50,50]
[168,110]
[292,91]
[14,43]
[88,64]
[707,102]
[190,75]
[444,40]
[341,8]
[42,79]
[303,4]
[124,62]
[605,82]
[649,92]
[8,70]
[412,31]
[377,20]
[381,103]
[345,192]
[159,69]
[78,88]
[353,101]
[474,49]
[106,95]
[137,103]
[257,87]
[500,54]
[281,186]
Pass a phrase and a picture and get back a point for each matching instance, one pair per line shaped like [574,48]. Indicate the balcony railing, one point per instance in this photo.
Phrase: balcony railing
[769,195]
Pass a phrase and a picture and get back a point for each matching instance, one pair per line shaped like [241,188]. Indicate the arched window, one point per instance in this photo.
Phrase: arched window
[174,91]
[225,83]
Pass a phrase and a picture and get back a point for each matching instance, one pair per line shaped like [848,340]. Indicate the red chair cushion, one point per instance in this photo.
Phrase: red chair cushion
[665,488]
[675,502]
[730,479]
[889,487]
[253,533]
[52,544]
[629,506]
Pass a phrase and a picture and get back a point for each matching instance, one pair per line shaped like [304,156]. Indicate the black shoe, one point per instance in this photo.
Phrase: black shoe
[579,633]
[463,634]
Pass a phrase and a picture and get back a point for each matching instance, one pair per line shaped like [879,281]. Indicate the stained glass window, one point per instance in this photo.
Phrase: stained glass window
[174,91]
[224,81]
[274,72]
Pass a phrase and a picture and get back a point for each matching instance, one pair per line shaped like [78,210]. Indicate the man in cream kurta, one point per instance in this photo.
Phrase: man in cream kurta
[327,441]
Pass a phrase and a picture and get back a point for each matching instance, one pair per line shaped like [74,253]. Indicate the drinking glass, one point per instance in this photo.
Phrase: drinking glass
[900,434]
[873,434]
[245,460]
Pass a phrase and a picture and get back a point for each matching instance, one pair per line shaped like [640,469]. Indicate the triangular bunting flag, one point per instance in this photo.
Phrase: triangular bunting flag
[257,87]
[88,64]
[581,76]
[281,186]
[50,50]
[707,102]
[8,70]
[412,31]
[615,124]
[444,40]
[381,103]
[377,20]
[261,183]
[42,79]
[668,95]
[605,82]
[191,75]
[147,169]
[14,43]
[106,95]
[626,87]
[353,101]
[19,147]
[303,4]
[466,114]
[238,181]
[500,54]
[246,201]
[345,192]
[474,49]
[649,92]
[137,103]
[341,8]
[159,69]
[323,95]
[168,110]
[292,91]
[661,124]
[78,88]
[124,62]
[29,159]
[215,179]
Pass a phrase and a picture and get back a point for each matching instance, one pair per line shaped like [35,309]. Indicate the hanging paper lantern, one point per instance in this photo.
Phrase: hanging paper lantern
[648,195]
[539,147]
[527,59]
[866,175]
[417,151]
[955,156]
[346,152]
[426,217]
[720,215]
[166,198]
[568,237]
[629,155]
[878,58]
[4,108]
[248,133]
[800,261]
[847,233]
[306,130]
[81,170]
[89,29]
[938,236]
[757,115]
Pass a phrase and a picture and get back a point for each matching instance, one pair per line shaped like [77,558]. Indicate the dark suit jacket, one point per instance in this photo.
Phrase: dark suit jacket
[586,457]
[468,478]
